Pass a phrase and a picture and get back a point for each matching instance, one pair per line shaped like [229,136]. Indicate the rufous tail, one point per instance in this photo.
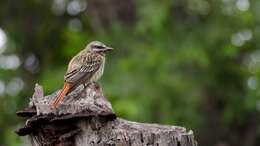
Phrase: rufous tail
[61,95]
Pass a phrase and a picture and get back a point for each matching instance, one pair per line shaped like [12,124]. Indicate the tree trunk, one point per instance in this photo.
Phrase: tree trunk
[86,118]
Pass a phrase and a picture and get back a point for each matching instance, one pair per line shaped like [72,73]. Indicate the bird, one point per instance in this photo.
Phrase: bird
[84,68]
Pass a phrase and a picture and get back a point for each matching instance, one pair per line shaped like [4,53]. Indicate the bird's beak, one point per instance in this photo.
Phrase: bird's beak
[108,49]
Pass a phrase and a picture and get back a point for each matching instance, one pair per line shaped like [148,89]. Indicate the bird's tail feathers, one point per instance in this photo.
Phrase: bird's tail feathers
[61,95]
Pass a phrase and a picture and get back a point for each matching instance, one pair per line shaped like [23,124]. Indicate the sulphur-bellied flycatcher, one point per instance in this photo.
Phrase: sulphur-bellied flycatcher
[86,67]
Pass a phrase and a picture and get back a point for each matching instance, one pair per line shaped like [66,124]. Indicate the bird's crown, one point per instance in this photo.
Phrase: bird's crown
[94,44]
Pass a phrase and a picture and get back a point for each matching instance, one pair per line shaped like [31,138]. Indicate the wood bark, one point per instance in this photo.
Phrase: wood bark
[86,118]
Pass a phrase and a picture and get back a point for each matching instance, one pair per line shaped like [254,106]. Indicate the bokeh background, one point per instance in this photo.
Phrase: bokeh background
[192,63]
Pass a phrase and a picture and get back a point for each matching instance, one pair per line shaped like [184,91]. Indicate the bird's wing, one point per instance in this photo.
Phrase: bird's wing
[83,68]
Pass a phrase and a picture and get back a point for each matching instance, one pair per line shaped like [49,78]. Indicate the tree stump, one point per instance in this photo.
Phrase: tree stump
[86,118]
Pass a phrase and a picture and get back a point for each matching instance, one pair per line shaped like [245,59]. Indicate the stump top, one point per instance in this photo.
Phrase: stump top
[79,104]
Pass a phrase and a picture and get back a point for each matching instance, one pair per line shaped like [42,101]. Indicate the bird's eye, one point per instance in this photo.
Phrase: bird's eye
[99,47]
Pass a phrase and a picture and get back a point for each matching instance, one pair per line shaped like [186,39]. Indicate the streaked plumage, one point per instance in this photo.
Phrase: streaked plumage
[87,66]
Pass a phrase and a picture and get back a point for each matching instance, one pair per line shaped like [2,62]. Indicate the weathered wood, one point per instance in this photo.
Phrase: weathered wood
[86,118]
[120,132]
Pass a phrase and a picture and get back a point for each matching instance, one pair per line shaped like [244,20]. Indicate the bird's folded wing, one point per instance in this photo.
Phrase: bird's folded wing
[85,71]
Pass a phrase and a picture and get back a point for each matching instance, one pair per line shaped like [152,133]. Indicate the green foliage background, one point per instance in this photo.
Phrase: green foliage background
[180,62]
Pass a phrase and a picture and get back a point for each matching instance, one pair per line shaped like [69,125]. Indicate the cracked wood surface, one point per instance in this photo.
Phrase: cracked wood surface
[86,118]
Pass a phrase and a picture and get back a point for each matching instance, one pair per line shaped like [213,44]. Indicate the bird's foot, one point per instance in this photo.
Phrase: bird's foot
[91,84]
[86,85]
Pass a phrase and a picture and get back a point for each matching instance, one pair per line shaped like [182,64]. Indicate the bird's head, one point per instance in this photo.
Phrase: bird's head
[98,47]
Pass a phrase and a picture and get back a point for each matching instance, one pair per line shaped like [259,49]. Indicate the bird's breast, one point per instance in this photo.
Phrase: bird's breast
[99,72]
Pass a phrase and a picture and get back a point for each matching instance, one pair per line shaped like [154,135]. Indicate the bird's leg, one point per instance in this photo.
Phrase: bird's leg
[86,85]
[91,84]
[95,84]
